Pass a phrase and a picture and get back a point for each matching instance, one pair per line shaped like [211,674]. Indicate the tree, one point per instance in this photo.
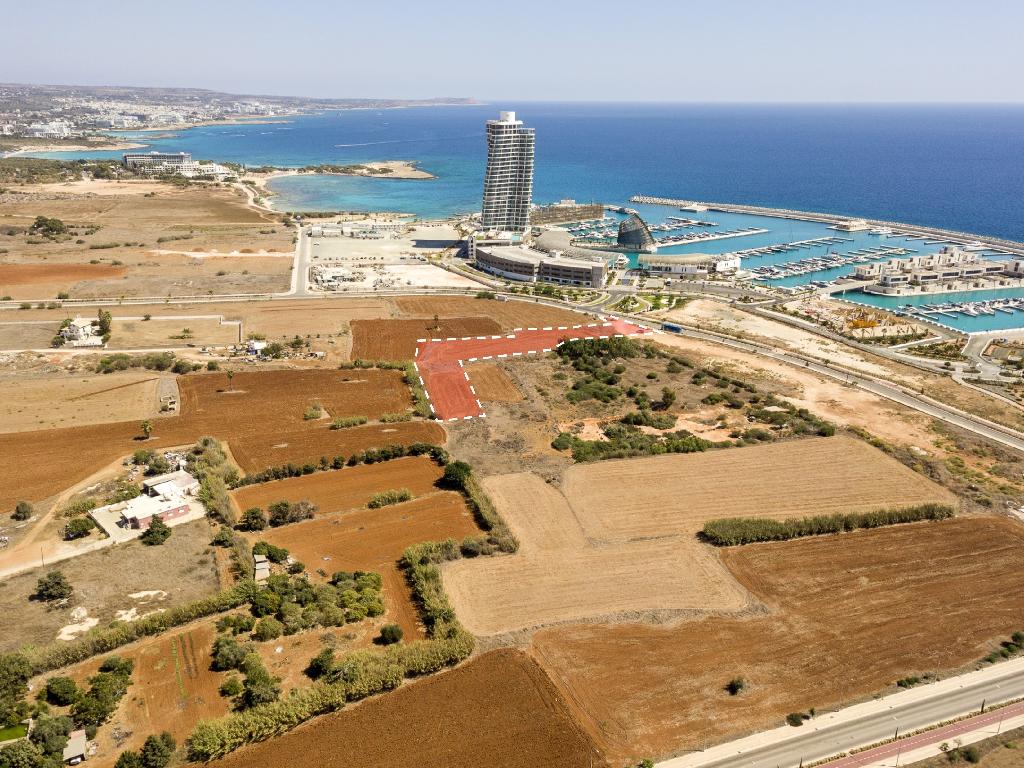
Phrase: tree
[20,754]
[50,734]
[128,759]
[157,533]
[230,374]
[53,586]
[78,528]
[227,653]
[61,691]
[231,687]
[23,511]
[253,519]
[321,664]
[259,686]
[105,319]
[456,474]
[268,628]
[157,750]
[668,396]
[15,670]
[147,428]
[390,634]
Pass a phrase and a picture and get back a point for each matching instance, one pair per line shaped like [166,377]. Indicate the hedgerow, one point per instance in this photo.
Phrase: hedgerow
[746,530]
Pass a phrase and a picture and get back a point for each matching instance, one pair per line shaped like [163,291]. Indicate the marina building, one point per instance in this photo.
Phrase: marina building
[527,265]
[635,235]
[508,181]
[690,264]
[851,225]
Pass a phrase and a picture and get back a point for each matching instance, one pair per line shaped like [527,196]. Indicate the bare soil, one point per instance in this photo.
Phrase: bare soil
[507,314]
[492,384]
[396,339]
[104,581]
[845,616]
[498,710]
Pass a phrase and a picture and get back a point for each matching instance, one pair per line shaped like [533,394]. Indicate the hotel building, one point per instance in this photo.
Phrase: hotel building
[508,183]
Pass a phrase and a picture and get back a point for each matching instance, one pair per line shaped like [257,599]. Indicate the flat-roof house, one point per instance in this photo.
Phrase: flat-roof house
[179,480]
[74,752]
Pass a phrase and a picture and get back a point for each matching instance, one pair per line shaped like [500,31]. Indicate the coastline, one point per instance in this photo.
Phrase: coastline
[46,148]
[398,169]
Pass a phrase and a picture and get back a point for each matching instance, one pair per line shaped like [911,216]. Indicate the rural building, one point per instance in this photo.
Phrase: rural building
[689,264]
[74,752]
[527,265]
[260,568]
[180,479]
[80,332]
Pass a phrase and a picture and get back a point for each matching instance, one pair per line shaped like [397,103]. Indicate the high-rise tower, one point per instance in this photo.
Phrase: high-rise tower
[508,185]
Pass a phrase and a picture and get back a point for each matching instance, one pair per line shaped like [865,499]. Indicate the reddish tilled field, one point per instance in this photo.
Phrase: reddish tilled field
[340,490]
[396,339]
[848,616]
[31,274]
[440,360]
[374,539]
[259,416]
[498,710]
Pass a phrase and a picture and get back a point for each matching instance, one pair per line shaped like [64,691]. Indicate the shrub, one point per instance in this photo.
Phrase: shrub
[259,686]
[78,528]
[736,686]
[53,586]
[385,498]
[61,691]
[284,512]
[971,754]
[79,507]
[391,418]
[562,442]
[745,530]
[390,633]
[795,719]
[22,511]
[268,628]
[253,519]
[313,412]
[157,751]
[231,687]
[274,554]
[157,533]
[349,421]
[227,653]
[50,734]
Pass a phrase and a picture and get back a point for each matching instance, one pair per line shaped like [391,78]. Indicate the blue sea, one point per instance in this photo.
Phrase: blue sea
[956,167]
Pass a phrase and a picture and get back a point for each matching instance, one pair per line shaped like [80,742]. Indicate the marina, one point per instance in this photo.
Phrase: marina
[978,311]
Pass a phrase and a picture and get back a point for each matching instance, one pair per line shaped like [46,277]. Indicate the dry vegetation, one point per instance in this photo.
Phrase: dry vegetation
[916,598]
[199,227]
[493,384]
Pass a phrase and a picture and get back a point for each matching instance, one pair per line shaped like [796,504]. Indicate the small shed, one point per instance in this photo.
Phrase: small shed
[260,568]
[74,752]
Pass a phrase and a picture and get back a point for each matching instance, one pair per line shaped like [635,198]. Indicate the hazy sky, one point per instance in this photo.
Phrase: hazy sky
[656,50]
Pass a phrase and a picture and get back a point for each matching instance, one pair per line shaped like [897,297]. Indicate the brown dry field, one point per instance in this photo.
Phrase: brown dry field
[218,220]
[498,710]
[158,332]
[28,335]
[677,493]
[846,616]
[373,540]
[493,384]
[396,339]
[580,547]
[104,580]
[508,314]
[260,418]
[31,403]
[343,489]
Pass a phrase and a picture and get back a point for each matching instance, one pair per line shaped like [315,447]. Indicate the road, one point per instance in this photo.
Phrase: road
[865,724]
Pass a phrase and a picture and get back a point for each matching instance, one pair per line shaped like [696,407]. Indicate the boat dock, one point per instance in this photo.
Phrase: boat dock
[829,261]
[794,246]
[970,308]
[700,237]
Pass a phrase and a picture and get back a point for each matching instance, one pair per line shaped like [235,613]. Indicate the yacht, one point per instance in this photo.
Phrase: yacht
[881,231]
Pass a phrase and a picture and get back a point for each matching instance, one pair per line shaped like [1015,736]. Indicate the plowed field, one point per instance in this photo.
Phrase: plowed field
[848,616]
[499,710]
[507,314]
[579,551]
[374,539]
[260,417]
[396,339]
[33,274]
[340,490]
[492,384]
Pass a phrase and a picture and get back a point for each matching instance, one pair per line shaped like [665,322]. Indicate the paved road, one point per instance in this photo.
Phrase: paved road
[815,741]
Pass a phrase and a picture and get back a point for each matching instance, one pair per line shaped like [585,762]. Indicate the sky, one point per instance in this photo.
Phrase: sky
[540,50]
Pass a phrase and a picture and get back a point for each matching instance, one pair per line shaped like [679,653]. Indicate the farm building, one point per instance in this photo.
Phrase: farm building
[80,332]
[74,752]
[260,568]
[168,496]
[180,479]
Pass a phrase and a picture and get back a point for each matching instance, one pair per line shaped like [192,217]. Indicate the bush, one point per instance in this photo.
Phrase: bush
[274,554]
[390,634]
[385,498]
[972,754]
[78,528]
[157,751]
[392,418]
[253,519]
[231,687]
[50,734]
[227,653]
[22,511]
[20,754]
[53,586]
[736,686]
[745,530]
[157,533]
[795,719]
[61,691]
[259,687]
[284,512]
[350,421]
[313,412]
[268,628]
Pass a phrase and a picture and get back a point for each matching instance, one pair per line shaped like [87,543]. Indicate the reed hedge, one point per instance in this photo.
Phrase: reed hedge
[728,532]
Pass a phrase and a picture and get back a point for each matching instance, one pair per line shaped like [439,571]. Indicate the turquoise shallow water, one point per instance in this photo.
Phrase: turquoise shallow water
[1000,321]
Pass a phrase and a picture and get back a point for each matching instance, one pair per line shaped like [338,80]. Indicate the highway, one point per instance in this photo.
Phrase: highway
[864,724]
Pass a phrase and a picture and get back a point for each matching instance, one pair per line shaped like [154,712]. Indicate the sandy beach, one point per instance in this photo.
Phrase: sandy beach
[86,147]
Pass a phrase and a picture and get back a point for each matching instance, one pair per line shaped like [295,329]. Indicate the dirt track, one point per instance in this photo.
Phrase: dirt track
[498,710]
[848,616]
